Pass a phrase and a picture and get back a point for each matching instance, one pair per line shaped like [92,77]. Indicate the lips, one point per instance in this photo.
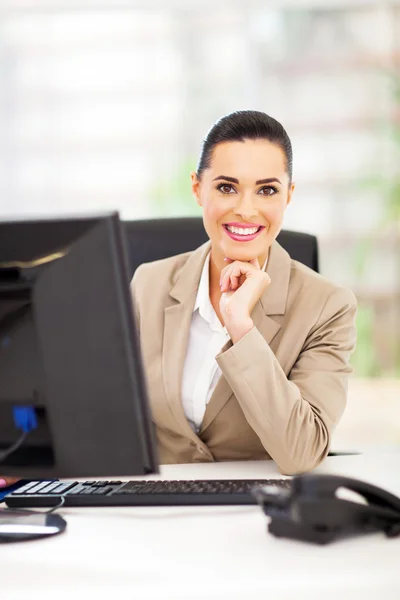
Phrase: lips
[239,234]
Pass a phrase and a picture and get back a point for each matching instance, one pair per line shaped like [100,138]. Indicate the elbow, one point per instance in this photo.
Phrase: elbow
[298,467]
[304,459]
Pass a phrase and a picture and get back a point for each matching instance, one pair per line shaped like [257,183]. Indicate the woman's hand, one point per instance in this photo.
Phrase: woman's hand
[5,481]
[242,285]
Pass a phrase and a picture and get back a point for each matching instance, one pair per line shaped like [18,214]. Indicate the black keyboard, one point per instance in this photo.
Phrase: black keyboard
[139,493]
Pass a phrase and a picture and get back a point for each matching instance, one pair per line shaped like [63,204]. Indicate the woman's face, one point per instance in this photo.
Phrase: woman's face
[244,195]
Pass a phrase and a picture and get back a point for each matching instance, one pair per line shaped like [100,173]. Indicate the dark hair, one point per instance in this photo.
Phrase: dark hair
[241,125]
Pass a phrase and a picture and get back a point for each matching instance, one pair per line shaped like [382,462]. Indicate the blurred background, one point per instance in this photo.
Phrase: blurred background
[104,104]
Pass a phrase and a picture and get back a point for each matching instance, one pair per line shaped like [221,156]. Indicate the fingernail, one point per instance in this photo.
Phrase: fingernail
[3,483]
[226,259]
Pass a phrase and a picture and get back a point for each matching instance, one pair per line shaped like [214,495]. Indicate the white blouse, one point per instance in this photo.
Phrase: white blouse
[206,338]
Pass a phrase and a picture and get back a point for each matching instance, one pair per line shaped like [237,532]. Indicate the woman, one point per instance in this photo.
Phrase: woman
[246,351]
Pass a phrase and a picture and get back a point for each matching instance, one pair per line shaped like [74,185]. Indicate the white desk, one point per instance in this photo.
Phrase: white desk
[210,553]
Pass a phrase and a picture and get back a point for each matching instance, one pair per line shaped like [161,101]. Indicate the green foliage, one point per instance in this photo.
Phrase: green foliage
[393,201]
[365,360]
[359,260]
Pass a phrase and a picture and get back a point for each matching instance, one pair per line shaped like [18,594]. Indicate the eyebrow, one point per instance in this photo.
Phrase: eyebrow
[258,182]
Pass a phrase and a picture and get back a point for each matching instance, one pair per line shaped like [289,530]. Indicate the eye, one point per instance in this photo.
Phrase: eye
[268,190]
[226,188]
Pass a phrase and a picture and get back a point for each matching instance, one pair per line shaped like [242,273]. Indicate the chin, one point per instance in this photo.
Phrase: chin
[243,254]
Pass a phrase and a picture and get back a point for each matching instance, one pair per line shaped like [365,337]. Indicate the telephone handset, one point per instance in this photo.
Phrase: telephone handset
[311,510]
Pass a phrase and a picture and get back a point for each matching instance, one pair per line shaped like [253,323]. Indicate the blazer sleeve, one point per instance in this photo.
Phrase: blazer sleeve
[294,415]
[135,300]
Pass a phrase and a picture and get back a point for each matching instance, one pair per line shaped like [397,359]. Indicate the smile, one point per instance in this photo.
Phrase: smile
[243,234]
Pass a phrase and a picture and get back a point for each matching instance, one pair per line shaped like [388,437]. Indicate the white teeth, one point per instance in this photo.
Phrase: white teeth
[242,230]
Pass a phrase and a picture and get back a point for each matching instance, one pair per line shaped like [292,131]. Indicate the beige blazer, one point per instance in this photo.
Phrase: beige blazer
[283,385]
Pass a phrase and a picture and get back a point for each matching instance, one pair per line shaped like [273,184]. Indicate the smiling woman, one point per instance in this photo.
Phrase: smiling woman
[246,351]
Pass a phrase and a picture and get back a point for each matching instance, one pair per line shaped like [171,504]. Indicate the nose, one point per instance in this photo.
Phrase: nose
[245,207]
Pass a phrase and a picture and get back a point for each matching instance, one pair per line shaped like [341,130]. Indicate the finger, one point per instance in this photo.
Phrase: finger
[6,481]
[228,268]
[231,275]
[225,279]
[249,293]
[235,275]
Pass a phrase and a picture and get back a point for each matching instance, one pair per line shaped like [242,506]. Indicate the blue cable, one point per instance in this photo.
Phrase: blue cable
[25,418]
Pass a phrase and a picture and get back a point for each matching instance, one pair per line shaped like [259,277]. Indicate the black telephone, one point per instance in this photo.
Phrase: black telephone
[310,510]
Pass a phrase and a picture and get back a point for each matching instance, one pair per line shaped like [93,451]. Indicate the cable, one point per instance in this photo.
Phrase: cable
[25,418]
[39,512]
[14,446]
[56,507]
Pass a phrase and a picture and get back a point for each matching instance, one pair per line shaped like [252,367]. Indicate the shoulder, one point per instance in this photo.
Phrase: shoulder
[153,282]
[155,279]
[165,269]
[308,279]
[318,294]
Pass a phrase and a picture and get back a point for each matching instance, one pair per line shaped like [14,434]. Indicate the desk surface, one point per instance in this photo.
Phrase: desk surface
[185,553]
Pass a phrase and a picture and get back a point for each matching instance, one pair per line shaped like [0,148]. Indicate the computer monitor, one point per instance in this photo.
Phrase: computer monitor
[69,352]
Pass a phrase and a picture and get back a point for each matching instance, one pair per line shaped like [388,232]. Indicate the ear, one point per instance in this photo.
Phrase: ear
[196,187]
[290,193]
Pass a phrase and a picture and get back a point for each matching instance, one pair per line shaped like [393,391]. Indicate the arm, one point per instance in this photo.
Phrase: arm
[294,416]
[135,303]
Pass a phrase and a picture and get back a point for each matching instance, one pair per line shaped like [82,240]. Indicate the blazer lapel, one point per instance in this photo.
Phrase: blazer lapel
[272,302]
[177,321]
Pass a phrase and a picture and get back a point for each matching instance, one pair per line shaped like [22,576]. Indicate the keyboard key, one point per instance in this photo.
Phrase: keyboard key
[23,489]
[76,489]
[102,490]
[48,489]
[88,490]
[35,489]
[63,487]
